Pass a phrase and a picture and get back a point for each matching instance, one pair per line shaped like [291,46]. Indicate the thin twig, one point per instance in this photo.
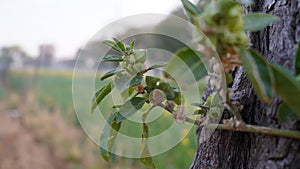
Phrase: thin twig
[244,128]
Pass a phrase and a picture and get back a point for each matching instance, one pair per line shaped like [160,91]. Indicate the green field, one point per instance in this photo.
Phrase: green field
[53,90]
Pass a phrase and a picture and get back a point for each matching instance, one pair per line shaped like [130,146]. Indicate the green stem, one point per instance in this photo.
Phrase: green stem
[245,128]
[258,129]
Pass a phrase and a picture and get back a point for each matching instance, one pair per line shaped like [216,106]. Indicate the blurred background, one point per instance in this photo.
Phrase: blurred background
[39,44]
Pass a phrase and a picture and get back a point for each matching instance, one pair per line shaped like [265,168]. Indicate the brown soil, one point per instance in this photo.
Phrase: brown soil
[18,147]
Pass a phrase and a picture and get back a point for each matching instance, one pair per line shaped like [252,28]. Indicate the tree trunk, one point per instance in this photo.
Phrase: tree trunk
[238,150]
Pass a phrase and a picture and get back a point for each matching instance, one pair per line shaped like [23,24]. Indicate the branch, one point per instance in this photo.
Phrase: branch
[257,129]
[244,128]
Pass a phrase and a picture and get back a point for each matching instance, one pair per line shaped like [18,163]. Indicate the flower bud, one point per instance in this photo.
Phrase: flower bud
[157,96]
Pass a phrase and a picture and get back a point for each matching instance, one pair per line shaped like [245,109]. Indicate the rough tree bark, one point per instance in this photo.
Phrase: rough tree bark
[237,150]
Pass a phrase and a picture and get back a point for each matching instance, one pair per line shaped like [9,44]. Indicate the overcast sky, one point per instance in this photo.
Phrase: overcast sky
[67,24]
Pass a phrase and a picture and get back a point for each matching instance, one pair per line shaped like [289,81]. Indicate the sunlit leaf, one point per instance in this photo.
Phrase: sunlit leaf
[156,83]
[287,88]
[130,107]
[190,7]
[100,94]
[113,45]
[259,73]
[120,44]
[257,21]
[191,59]
[112,58]
[285,113]
[108,136]
[132,44]
[145,157]
[111,73]
[297,60]
[152,81]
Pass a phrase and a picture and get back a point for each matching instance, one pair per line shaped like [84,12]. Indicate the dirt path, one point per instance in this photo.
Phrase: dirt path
[18,147]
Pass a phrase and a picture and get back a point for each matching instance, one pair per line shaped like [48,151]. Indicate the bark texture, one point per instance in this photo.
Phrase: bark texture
[237,150]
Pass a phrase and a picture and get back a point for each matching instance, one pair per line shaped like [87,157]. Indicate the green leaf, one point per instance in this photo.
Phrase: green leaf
[297,60]
[257,21]
[151,81]
[156,83]
[124,80]
[157,65]
[127,93]
[213,99]
[111,73]
[109,135]
[167,89]
[100,94]
[190,58]
[120,44]
[191,8]
[287,88]
[112,58]
[285,113]
[130,107]
[113,45]
[259,73]
[145,157]
[178,97]
[136,80]
[132,44]
[229,78]
[199,111]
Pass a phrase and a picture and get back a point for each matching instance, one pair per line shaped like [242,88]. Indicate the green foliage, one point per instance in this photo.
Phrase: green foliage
[156,83]
[268,79]
[111,73]
[297,60]
[259,73]
[120,45]
[129,79]
[112,58]
[257,21]
[132,44]
[124,81]
[130,107]
[113,45]
[287,88]
[224,24]
[189,57]
[109,135]
[285,113]
[146,158]
[100,94]
[190,8]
